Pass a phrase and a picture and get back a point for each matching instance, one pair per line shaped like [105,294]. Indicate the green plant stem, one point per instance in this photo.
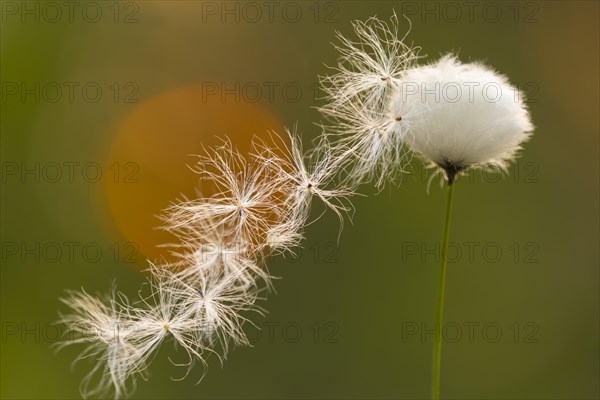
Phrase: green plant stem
[437,342]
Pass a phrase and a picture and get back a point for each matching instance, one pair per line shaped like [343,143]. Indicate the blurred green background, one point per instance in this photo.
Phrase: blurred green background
[103,102]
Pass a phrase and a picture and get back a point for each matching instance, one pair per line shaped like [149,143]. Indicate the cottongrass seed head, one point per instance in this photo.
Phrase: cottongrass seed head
[454,115]
[467,115]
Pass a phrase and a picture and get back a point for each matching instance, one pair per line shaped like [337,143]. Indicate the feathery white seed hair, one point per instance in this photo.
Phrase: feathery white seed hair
[205,245]
[218,302]
[247,195]
[369,65]
[201,301]
[106,326]
[367,136]
[370,142]
[285,236]
[165,314]
[312,175]
[467,115]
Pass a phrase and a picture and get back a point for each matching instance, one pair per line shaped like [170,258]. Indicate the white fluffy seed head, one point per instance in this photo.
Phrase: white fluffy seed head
[461,115]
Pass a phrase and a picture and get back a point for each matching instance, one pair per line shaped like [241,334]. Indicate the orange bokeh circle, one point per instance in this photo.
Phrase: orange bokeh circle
[151,150]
